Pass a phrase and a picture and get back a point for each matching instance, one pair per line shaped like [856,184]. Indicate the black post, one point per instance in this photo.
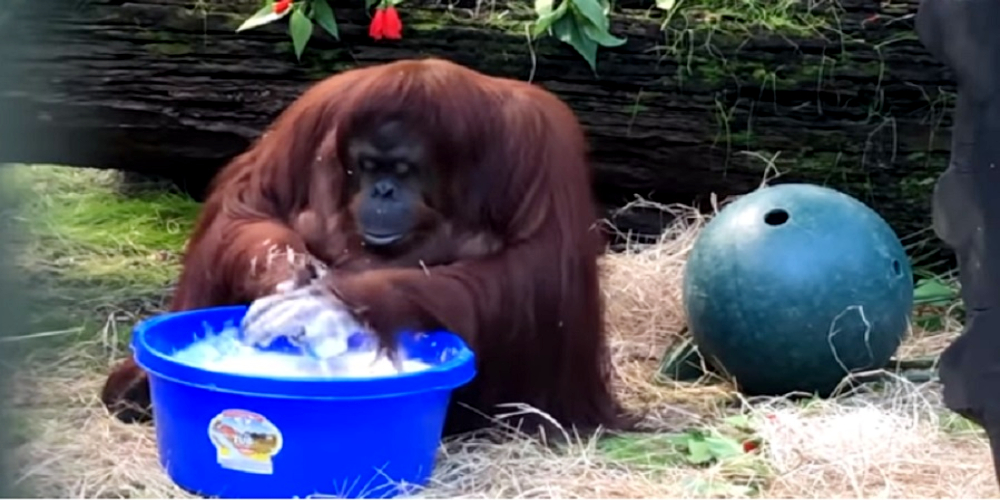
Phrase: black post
[962,35]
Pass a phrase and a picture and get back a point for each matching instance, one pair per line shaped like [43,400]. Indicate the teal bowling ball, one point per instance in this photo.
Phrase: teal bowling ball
[791,287]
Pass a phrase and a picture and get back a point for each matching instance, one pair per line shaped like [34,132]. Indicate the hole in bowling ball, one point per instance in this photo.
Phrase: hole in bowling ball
[897,268]
[776,217]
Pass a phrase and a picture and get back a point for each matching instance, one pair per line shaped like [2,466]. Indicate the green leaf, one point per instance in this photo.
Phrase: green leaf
[544,7]
[370,3]
[721,447]
[679,440]
[545,22]
[301,29]
[698,452]
[665,4]
[261,17]
[657,451]
[933,291]
[567,31]
[547,16]
[593,22]
[741,421]
[601,37]
[323,15]
[592,11]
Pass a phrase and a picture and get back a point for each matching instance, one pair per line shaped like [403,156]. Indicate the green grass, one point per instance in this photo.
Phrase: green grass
[88,252]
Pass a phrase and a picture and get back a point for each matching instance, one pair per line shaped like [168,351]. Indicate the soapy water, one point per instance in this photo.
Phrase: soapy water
[226,352]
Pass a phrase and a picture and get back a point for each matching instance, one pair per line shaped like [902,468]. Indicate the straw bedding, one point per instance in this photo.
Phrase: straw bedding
[896,443]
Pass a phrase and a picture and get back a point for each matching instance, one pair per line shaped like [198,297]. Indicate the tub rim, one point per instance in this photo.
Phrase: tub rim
[449,375]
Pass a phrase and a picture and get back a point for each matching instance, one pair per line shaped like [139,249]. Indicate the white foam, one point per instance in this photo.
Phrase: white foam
[224,352]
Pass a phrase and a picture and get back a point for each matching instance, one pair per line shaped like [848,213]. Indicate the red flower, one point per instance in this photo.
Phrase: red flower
[378,25]
[386,24]
[281,6]
[393,27]
[750,445]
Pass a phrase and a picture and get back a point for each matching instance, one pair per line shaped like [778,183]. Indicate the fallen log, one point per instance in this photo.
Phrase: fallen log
[710,102]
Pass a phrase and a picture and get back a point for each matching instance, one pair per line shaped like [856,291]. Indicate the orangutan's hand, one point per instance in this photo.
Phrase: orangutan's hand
[309,317]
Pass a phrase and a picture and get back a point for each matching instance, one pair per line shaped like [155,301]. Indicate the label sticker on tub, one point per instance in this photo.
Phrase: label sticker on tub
[244,441]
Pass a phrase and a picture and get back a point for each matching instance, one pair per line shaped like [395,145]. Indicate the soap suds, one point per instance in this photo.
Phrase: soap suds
[225,352]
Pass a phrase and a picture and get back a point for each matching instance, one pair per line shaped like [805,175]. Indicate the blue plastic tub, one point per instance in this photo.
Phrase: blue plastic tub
[235,436]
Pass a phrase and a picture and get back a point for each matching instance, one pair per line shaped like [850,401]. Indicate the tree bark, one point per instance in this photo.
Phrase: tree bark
[843,95]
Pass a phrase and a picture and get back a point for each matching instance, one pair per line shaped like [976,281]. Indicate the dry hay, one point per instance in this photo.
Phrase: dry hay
[892,444]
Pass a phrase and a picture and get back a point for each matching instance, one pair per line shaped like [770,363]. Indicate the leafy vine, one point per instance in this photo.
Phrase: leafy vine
[581,24]
[584,25]
[303,15]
